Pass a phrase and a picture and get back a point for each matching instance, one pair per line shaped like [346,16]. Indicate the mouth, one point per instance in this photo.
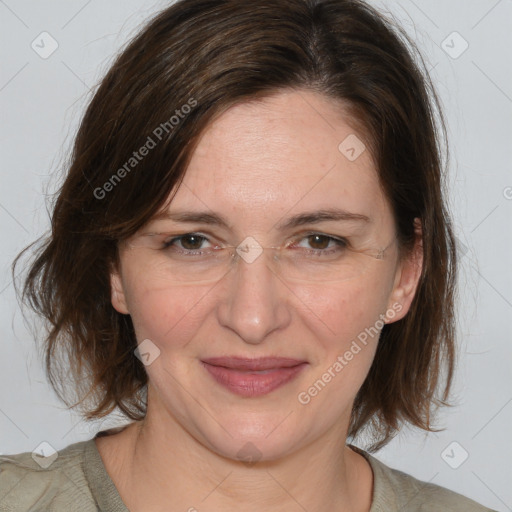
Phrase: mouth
[253,377]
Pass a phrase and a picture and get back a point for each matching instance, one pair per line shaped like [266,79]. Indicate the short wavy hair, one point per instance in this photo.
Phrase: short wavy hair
[189,64]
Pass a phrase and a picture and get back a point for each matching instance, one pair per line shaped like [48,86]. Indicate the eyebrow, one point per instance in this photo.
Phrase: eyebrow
[329,214]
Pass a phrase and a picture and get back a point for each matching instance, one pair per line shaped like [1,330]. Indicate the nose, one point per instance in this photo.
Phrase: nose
[254,300]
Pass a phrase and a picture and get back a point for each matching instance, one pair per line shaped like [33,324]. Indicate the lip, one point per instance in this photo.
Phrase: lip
[253,377]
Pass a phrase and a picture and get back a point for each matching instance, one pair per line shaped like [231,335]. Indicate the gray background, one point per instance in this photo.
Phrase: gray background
[42,101]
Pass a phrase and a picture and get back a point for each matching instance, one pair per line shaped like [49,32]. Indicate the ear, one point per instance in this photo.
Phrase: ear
[117,295]
[407,277]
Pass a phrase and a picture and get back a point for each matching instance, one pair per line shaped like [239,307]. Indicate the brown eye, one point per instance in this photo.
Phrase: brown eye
[186,242]
[320,244]
[192,242]
[319,241]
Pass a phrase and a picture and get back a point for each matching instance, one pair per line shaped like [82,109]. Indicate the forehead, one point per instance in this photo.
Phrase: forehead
[280,155]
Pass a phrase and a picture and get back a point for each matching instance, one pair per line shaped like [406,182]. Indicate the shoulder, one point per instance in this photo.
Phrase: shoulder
[396,490]
[56,483]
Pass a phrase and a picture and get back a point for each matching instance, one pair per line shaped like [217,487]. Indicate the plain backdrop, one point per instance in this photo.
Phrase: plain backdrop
[467,48]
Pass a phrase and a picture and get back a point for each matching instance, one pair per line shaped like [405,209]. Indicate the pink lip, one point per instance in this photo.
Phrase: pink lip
[244,377]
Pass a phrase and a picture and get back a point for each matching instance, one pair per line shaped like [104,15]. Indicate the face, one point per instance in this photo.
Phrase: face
[257,354]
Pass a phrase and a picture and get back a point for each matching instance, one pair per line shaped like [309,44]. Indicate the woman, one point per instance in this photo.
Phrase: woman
[251,258]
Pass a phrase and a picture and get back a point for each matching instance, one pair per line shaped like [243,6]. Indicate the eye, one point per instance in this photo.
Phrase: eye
[187,242]
[320,243]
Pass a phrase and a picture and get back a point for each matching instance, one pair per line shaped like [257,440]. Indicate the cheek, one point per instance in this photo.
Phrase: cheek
[343,311]
[168,316]
[347,322]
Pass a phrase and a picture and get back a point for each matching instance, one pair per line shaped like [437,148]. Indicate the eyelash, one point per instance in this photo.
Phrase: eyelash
[340,244]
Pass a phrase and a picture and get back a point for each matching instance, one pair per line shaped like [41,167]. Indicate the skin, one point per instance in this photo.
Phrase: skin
[257,164]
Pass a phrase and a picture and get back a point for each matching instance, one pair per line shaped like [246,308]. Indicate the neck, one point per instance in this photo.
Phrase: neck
[160,466]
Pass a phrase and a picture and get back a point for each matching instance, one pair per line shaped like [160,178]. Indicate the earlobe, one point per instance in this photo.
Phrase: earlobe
[407,277]
[117,295]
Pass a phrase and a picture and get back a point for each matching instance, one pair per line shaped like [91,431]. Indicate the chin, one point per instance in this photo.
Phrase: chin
[251,440]
[252,450]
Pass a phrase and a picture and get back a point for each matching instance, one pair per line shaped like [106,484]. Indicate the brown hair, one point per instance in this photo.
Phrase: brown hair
[189,64]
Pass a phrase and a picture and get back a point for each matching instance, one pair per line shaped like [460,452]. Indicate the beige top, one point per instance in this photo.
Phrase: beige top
[78,481]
